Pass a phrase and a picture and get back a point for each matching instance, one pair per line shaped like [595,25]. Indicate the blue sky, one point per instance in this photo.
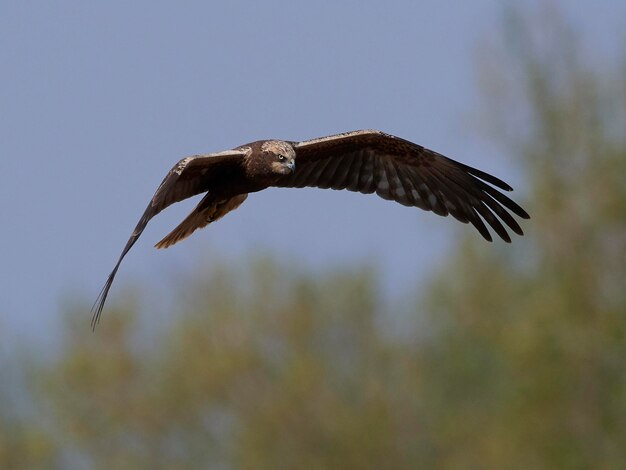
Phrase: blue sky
[99,99]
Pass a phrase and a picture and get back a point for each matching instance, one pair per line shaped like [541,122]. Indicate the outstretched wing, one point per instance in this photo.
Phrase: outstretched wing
[396,169]
[190,176]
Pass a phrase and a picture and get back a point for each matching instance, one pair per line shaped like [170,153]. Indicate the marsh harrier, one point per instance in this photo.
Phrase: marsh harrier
[367,161]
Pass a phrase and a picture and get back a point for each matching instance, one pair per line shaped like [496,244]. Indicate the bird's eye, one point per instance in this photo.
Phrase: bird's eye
[281,157]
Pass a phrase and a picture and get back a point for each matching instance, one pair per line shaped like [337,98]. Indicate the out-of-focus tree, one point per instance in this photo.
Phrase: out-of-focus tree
[23,442]
[267,369]
[23,445]
[529,365]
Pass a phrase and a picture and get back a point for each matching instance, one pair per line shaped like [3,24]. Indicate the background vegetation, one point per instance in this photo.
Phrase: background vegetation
[514,358]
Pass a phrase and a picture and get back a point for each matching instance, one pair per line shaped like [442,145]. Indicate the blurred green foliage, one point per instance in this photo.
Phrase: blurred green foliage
[520,364]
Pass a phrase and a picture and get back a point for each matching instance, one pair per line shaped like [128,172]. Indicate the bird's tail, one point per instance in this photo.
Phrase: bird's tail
[207,211]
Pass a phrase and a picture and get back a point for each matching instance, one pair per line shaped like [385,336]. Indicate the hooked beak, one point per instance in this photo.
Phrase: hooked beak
[291,165]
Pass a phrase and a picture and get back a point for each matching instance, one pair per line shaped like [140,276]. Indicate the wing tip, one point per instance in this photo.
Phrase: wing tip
[98,306]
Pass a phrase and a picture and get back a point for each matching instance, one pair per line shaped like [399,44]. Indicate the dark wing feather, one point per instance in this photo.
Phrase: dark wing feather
[399,170]
[189,177]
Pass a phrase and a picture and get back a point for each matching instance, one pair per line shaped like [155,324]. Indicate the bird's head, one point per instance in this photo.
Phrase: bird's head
[280,155]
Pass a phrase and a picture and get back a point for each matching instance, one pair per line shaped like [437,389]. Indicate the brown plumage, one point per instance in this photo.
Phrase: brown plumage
[365,161]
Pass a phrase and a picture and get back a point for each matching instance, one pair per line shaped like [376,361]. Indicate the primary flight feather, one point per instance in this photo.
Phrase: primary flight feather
[366,161]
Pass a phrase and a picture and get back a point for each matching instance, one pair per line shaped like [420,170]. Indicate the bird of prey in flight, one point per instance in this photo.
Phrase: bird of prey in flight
[367,161]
